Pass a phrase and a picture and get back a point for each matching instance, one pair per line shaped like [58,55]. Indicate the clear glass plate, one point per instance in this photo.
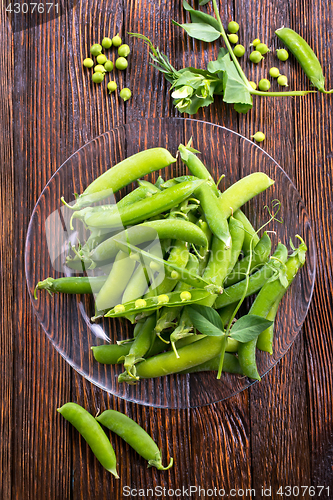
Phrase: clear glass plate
[66,318]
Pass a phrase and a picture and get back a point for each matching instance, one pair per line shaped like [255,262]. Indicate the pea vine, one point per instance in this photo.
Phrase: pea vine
[194,88]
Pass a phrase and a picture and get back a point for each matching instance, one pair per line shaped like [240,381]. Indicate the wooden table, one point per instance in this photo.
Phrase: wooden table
[279,432]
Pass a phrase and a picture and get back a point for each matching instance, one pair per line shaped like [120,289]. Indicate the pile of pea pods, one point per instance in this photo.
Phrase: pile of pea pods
[166,247]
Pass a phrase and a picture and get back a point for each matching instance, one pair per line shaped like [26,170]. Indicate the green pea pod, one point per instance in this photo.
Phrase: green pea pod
[93,433]
[237,232]
[260,255]
[230,365]
[266,298]
[307,59]
[189,356]
[265,339]
[114,286]
[134,435]
[256,281]
[172,299]
[141,345]
[71,284]
[143,209]
[125,172]
[207,195]
[251,239]
[175,229]
[242,191]
[183,275]
[195,165]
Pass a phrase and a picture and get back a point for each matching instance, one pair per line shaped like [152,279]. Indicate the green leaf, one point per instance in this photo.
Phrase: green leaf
[242,108]
[203,2]
[200,31]
[197,16]
[220,64]
[235,90]
[206,320]
[249,327]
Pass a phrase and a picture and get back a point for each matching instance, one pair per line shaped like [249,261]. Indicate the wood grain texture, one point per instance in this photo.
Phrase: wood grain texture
[278,432]
[6,256]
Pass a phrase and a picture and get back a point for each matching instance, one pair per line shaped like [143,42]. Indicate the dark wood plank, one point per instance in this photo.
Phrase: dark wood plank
[314,176]
[277,433]
[42,140]
[6,256]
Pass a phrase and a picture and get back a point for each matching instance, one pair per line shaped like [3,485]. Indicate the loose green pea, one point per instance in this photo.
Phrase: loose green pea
[97,77]
[108,66]
[282,54]
[116,41]
[258,136]
[233,38]
[253,85]
[112,86]
[121,63]
[262,48]
[274,72]
[106,42]
[256,56]
[282,81]
[99,68]
[239,50]
[264,84]
[233,27]
[101,59]
[255,42]
[124,50]
[125,94]
[88,63]
[96,49]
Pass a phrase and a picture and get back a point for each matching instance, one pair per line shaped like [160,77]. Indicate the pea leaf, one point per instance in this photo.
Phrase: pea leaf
[197,16]
[249,327]
[203,2]
[234,89]
[242,108]
[206,320]
[200,31]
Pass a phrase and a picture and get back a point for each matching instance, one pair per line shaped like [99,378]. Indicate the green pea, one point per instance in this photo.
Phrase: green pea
[274,72]
[108,66]
[185,296]
[125,94]
[97,77]
[99,68]
[121,63]
[120,308]
[282,54]
[258,136]
[106,42]
[253,85]
[239,50]
[101,59]
[112,86]
[116,41]
[282,81]
[255,42]
[88,63]
[256,56]
[124,50]
[233,38]
[139,303]
[96,49]
[233,27]
[262,48]
[264,84]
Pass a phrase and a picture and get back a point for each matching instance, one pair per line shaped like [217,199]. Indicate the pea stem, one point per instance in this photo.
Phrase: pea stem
[282,94]
[226,41]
